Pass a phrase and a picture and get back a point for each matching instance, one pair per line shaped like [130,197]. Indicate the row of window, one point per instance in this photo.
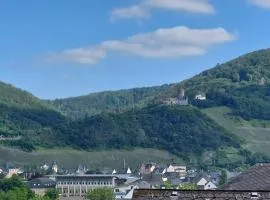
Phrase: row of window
[84,183]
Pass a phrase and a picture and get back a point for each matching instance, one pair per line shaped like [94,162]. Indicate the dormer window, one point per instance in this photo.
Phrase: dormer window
[254,195]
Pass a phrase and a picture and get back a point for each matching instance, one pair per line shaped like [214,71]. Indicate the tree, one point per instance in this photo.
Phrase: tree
[168,185]
[52,194]
[223,177]
[40,198]
[100,194]
[188,186]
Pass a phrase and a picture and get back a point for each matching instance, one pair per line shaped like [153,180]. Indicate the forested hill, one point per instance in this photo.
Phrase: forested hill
[249,69]
[242,84]
[26,116]
[12,96]
[131,118]
[230,84]
[180,130]
[110,101]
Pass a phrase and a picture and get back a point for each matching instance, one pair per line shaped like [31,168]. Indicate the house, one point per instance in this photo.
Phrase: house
[154,179]
[202,182]
[125,186]
[181,170]
[256,178]
[201,97]
[13,171]
[45,167]
[147,168]
[205,183]
[215,177]
[80,170]
[150,194]
[210,186]
[55,168]
[40,185]
[124,192]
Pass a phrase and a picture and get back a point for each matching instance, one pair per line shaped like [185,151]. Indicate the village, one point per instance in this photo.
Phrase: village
[75,183]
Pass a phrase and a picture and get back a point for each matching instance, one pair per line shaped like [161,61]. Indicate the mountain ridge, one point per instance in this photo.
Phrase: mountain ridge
[101,120]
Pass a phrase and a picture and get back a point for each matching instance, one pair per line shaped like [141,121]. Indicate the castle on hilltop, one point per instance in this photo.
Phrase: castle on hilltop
[181,100]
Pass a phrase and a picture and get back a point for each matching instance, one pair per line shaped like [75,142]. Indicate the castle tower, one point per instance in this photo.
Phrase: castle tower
[182,93]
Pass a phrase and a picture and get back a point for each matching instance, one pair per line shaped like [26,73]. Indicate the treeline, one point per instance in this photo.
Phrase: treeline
[111,101]
[180,130]
[15,189]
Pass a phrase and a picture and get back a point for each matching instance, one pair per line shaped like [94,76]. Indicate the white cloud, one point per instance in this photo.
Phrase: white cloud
[134,11]
[192,6]
[173,42]
[80,55]
[261,3]
[143,9]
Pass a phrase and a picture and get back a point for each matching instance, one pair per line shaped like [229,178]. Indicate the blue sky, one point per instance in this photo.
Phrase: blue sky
[64,48]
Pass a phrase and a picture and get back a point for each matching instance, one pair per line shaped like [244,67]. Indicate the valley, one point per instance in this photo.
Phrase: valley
[234,116]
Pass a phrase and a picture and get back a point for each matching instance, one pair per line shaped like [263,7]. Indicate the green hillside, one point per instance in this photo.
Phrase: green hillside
[246,70]
[241,84]
[117,101]
[129,119]
[180,130]
[14,97]
[23,115]
[255,133]
[177,129]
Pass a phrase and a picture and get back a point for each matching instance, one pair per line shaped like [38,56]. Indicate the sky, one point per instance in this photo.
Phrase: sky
[64,48]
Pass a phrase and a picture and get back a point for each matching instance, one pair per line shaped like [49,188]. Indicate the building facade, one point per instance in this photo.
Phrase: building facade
[78,186]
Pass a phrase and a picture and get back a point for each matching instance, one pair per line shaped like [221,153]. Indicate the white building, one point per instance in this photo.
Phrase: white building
[55,168]
[79,185]
[13,171]
[201,97]
[210,186]
[204,184]
[181,169]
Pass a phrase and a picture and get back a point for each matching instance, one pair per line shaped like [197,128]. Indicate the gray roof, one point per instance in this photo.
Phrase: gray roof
[150,194]
[41,183]
[256,178]
[153,179]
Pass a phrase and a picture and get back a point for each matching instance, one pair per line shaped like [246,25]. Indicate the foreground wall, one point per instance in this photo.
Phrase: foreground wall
[141,194]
